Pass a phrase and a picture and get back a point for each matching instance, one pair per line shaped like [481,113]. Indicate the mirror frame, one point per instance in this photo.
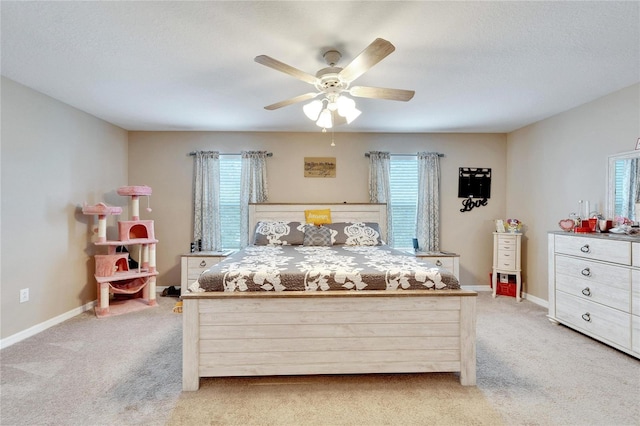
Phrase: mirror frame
[611,187]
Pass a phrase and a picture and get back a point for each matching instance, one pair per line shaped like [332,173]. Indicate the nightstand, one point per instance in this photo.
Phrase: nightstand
[193,264]
[447,260]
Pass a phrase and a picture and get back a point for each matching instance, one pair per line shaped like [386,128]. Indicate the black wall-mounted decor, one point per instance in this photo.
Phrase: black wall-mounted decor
[474,184]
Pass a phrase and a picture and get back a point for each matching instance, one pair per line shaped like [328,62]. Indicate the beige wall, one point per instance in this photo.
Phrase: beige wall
[54,157]
[160,159]
[556,162]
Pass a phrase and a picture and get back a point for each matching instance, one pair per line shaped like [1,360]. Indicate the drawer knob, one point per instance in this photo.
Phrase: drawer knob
[585,248]
[586,272]
[203,263]
[586,317]
[586,291]
[438,263]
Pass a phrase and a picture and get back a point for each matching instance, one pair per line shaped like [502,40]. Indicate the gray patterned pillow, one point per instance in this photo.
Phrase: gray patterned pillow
[278,234]
[355,233]
[317,236]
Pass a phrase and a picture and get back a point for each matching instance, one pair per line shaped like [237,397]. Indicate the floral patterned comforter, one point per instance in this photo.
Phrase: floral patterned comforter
[318,268]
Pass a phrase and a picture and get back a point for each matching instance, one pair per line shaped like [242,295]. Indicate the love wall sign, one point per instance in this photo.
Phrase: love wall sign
[474,184]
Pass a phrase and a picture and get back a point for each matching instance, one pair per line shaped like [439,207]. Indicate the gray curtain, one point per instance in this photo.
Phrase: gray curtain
[379,166]
[206,199]
[428,216]
[253,187]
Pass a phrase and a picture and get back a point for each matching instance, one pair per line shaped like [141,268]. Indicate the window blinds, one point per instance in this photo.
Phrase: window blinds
[403,182]
[230,166]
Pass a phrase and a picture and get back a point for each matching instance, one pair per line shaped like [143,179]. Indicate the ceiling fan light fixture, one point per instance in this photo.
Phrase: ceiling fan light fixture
[325,120]
[352,115]
[312,109]
[345,105]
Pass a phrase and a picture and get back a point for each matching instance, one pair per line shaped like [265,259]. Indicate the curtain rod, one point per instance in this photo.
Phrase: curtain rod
[366,154]
[269,154]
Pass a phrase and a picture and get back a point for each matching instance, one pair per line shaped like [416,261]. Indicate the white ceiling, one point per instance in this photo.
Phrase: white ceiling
[172,65]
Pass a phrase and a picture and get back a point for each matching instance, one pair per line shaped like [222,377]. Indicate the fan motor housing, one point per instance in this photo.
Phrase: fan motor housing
[330,81]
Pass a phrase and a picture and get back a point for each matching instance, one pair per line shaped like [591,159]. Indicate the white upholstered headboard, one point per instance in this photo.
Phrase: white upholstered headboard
[340,212]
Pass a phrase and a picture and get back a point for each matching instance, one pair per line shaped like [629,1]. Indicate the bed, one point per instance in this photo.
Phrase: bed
[248,316]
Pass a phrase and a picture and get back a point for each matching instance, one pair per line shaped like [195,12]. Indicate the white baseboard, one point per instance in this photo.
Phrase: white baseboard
[536,300]
[529,297]
[476,287]
[32,331]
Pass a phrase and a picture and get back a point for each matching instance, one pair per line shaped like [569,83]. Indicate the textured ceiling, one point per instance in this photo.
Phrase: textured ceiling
[475,66]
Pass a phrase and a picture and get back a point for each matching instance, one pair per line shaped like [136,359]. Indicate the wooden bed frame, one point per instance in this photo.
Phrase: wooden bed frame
[333,332]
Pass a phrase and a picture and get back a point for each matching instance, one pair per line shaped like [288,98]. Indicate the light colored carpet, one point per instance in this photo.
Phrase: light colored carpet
[127,370]
[538,373]
[118,370]
[387,399]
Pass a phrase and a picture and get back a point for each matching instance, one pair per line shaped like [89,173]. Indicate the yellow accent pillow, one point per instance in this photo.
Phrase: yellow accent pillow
[317,217]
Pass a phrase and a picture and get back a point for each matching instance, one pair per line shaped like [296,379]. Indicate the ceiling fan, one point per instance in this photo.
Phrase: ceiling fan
[333,83]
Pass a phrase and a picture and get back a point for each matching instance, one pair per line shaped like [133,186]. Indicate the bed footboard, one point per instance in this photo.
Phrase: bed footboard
[239,334]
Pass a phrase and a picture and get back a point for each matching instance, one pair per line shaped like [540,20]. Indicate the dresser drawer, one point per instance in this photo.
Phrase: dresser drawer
[635,333]
[635,292]
[193,264]
[605,284]
[611,275]
[507,248]
[506,260]
[197,265]
[507,241]
[604,322]
[635,254]
[442,262]
[451,261]
[594,248]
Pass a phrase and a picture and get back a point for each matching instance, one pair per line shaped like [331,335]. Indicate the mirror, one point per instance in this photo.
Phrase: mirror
[623,190]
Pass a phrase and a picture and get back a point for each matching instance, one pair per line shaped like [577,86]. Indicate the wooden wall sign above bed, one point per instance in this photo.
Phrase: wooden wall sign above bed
[320,167]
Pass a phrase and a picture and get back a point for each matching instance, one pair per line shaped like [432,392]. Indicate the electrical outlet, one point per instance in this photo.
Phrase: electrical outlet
[24,295]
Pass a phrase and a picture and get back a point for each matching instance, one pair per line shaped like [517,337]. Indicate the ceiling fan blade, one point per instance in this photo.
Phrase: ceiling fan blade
[371,55]
[287,69]
[382,93]
[291,101]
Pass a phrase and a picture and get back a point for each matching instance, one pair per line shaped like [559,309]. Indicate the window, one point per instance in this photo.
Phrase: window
[230,166]
[618,191]
[403,186]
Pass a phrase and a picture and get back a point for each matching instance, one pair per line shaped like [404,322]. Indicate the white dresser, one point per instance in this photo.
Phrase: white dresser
[507,259]
[594,287]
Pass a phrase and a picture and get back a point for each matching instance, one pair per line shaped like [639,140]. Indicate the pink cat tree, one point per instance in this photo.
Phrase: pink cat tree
[113,275]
